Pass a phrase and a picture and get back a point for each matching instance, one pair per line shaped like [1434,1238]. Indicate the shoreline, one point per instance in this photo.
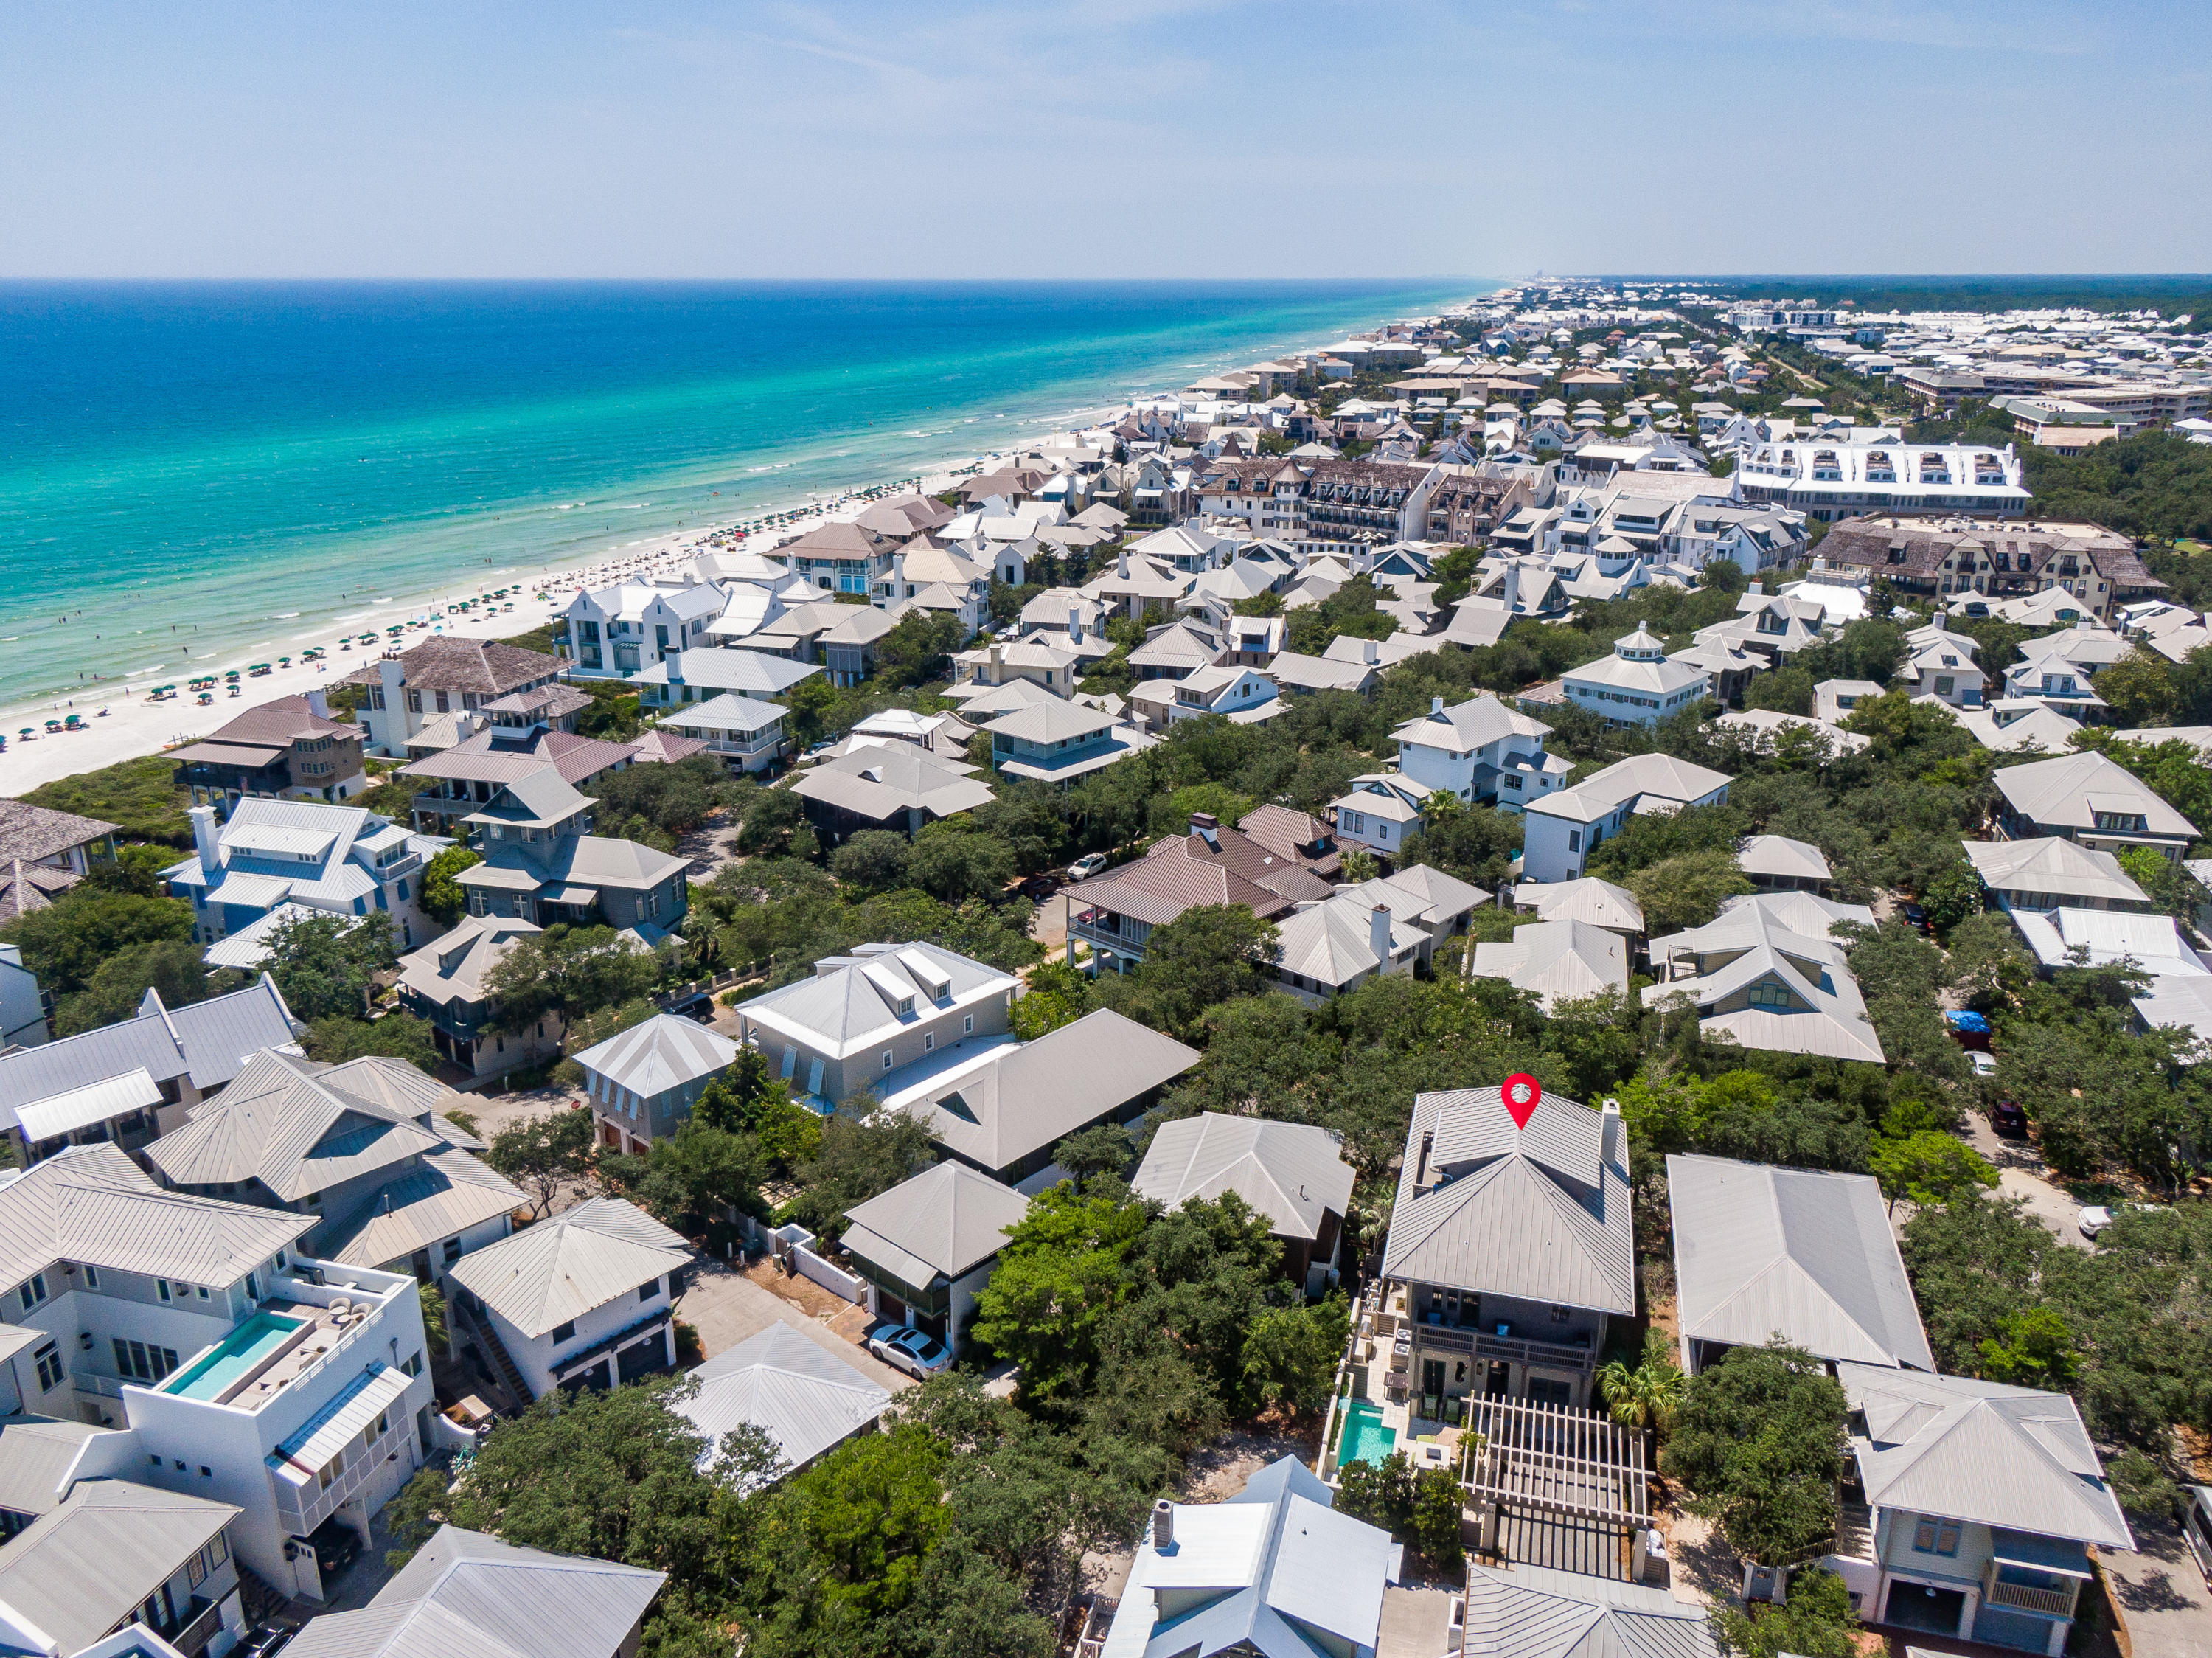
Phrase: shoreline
[132,727]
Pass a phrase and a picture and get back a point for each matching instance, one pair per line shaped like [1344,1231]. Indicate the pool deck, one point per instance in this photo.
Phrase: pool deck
[312,1347]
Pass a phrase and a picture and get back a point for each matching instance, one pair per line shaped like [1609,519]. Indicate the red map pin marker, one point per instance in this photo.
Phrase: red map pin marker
[1521,1092]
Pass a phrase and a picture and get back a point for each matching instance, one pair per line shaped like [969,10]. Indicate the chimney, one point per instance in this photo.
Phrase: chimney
[204,841]
[1378,935]
[1437,707]
[1370,652]
[1163,1526]
[1206,827]
[318,704]
[394,679]
[1421,1168]
[1122,565]
[1756,587]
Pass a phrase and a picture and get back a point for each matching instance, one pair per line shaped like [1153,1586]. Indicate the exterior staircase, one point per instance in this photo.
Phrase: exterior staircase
[488,1343]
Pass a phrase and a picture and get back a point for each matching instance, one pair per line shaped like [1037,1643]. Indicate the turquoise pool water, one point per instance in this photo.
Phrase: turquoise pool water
[239,1351]
[1365,1438]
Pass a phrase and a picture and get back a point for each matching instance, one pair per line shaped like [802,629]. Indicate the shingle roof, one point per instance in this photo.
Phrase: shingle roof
[551,1273]
[806,1397]
[1539,1213]
[483,665]
[466,1593]
[1156,890]
[33,832]
[948,1219]
[1981,1451]
[1290,1172]
[1806,1253]
[25,887]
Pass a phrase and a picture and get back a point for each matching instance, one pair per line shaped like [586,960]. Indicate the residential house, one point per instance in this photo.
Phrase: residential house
[618,630]
[363,1149]
[1776,863]
[1768,972]
[1293,1174]
[1274,1571]
[1834,700]
[1804,1254]
[125,1568]
[1328,947]
[1120,909]
[704,673]
[1753,538]
[46,840]
[1138,588]
[805,1395]
[1059,742]
[643,1081]
[1003,1108]
[1830,480]
[287,749]
[333,860]
[1510,1250]
[743,733]
[1298,674]
[1983,1505]
[850,557]
[1556,961]
[240,1372]
[128,1081]
[1380,812]
[2053,874]
[1636,685]
[1244,694]
[926,1247]
[1253,640]
[465,777]
[1439,905]
[2027,726]
[1564,828]
[445,984]
[442,675]
[466,1592]
[1600,903]
[895,786]
[585,1298]
[1038,658]
[865,1017]
[1940,664]
[2091,801]
[848,645]
[1480,750]
[1175,650]
[2067,938]
[2094,570]
[1526,1611]
[1293,835]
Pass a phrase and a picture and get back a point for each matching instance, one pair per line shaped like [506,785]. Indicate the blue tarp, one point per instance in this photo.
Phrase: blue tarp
[1972,1023]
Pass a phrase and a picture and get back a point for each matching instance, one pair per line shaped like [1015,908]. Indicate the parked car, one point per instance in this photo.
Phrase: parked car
[336,1545]
[2095,1217]
[917,1352]
[1037,888]
[2007,1118]
[1915,917]
[1086,866]
[1983,1062]
[263,1643]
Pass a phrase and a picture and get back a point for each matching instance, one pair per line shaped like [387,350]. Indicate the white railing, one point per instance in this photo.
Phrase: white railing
[325,1499]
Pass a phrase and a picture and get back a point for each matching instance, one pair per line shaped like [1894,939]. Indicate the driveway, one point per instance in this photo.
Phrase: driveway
[2020,1174]
[2161,1595]
[726,1309]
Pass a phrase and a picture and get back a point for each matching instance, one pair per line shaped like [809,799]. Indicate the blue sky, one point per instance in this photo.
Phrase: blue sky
[1117,137]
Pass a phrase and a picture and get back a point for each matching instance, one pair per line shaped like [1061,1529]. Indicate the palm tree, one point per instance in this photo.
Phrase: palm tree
[1647,1396]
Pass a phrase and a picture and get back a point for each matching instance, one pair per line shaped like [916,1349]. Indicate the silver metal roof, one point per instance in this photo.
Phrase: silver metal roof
[947,1219]
[2058,793]
[1532,1612]
[1980,1451]
[804,1396]
[443,1195]
[1779,856]
[844,1008]
[665,1052]
[1556,961]
[468,1594]
[1289,1171]
[1804,1253]
[551,1273]
[36,1457]
[79,1569]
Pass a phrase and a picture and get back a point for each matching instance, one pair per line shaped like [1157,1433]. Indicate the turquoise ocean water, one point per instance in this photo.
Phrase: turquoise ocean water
[231,465]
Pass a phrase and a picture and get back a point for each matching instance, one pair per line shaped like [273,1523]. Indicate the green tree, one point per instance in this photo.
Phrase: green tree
[1758,1443]
[1434,1524]
[874,861]
[66,942]
[1931,1168]
[699,1174]
[326,966]
[333,1040]
[171,967]
[1814,1622]
[1648,1395]
[1103,1149]
[1062,1271]
[2031,1348]
[954,858]
[1054,994]
[543,1155]
[444,899]
[860,1158]
[1289,1354]
[434,1317]
[569,973]
[1685,891]
[772,816]
[1207,955]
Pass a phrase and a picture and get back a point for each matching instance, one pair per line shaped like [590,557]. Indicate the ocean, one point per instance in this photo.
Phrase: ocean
[221,467]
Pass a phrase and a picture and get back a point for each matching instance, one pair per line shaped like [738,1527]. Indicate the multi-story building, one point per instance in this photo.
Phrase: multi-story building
[287,749]
[1565,827]
[2090,800]
[1636,685]
[842,558]
[1059,742]
[643,1081]
[409,689]
[617,631]
[238,1370]
[1829,479]
[1480,750]
[1351,505]
[1995,559]
[329,860]
[445,984]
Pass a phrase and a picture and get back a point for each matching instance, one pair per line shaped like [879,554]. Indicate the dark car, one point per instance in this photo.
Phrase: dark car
[1037,888]
[2007,1118]
[1915,917]
[263,1643]
[336,1545]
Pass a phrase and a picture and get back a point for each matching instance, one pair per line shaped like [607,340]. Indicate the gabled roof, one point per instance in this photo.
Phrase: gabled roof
[451,967]
[881,784]
[1805,1253]
[1333,942]
[32,833]
[465,1592]
[1556,961]
[2067,792]
[1980,1451]
[1539,1213]
[443,1195]
[665,1052]
[947,1220]
[854,1001]
[1468,725]
[1598,902]
[1778,855]
[754,673]
[552,1273]
[1020,1098]
[803,1395]
[2053,866]
[1640,776]
[1291,1173]
[82,1568]
[38,1457]
[1420,892]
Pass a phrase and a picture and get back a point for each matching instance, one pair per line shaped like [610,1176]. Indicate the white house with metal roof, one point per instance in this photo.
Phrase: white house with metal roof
[1481,750]
[1294,1173]
[642,1082]
[1326,948]
[1273,1570]
[1807,1254]
[745,733]
[1556,961]
[1600,903]
[1768,972]
[114,1558]
[1564,828]
[585,1298]
[126,1083]
[2091,801]
[926,1247]
[241,1370]
[1439,905]
[804,1396]
[339,860]
[700,675]
[864,1017]
[1636,685]
[2049,873]
[1537,1611]
[1776,862]
[464,1592]
[1511,1249]
[1982,1505]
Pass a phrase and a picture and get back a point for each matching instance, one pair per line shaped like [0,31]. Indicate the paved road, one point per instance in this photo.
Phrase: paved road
[725,1309]
[2020,1174]
[2162,1596]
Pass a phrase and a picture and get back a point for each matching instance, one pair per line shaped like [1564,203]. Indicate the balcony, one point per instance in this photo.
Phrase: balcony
[192,1638]
[1104,929]
[1513,1349]
[2019,1597]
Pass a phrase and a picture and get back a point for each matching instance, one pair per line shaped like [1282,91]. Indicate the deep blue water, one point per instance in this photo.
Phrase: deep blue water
[234,464]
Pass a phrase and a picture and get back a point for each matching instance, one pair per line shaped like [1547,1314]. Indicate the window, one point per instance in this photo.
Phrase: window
[967,1025]
[1574,840]
[91,1275]
[928,1041]
[452,1250]
[887,1058]
[161,1288]
[203,1292]
[414,1365]
[252,1286]
[329,1472]
[565,1332]
[1936,1537]
[49,1367]
[646,1291]
[33,1291]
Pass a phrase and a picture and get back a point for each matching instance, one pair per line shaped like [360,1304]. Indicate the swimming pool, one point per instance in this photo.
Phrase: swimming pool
[1365,1438]
[237,1355]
